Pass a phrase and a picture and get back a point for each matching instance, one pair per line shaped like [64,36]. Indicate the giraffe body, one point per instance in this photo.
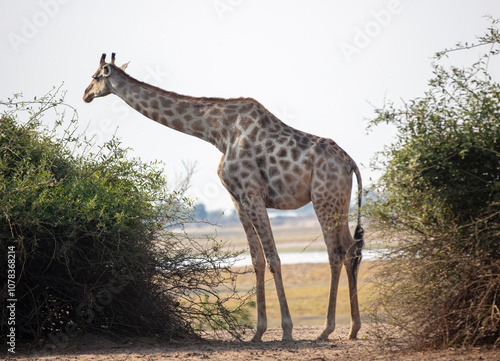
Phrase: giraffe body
[265,164]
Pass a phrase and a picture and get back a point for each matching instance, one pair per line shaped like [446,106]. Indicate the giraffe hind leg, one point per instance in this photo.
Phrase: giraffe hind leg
[342,250]
[351,264]
[336,258]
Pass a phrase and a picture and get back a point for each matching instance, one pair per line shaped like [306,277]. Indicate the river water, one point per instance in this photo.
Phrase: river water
[307,257]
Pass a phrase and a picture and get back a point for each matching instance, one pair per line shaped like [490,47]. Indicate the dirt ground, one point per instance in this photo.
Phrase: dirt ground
[305,346]
[94,348]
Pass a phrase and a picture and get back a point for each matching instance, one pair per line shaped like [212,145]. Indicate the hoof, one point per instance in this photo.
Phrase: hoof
[353,335]
[256,338]
[324,335]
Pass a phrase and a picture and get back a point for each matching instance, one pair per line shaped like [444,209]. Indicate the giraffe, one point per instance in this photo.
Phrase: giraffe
[265,164]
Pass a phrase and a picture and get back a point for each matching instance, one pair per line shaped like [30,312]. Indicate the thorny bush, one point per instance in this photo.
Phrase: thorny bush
[99,241]
[438,202]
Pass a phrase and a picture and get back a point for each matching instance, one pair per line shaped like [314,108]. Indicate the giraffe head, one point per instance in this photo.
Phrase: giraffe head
[100,85]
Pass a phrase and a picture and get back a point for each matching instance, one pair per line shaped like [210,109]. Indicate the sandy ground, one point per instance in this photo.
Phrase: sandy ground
[94,348]
[305,346]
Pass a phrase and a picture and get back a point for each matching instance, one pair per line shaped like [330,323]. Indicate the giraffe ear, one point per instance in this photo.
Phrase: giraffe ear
[105,70]
[124,66]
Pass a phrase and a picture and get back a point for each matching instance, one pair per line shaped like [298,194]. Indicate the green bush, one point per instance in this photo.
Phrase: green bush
[438,201]
[98,240]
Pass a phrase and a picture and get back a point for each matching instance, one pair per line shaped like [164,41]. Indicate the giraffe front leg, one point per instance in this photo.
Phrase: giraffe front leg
[257,214]
[286,319]
[259,265]
[260,268]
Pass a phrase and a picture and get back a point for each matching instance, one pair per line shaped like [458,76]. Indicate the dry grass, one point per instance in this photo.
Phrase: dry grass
[307,287]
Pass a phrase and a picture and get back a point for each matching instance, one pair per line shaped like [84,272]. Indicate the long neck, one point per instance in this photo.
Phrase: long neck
[199,117]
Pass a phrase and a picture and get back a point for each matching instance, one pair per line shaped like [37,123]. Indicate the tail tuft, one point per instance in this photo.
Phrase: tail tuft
[358,237]
[359,233]
[359,244]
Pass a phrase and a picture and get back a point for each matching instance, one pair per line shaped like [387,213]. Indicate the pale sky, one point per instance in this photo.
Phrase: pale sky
[320,66]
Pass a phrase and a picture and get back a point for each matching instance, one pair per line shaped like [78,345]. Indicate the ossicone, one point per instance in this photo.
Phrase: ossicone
[112,62]
[103,59]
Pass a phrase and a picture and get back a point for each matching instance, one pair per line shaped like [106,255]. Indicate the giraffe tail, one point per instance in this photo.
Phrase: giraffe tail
[359,232]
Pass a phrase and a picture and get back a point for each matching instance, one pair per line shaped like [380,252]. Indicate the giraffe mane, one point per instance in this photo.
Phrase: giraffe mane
[187,97]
